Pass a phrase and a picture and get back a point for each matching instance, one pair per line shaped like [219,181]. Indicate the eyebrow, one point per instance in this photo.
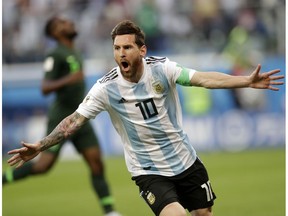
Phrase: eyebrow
[124,45]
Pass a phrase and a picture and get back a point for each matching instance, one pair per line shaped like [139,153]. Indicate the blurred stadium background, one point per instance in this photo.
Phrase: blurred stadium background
[226,35]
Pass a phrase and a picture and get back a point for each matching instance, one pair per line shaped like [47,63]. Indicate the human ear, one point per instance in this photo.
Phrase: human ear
[143,51]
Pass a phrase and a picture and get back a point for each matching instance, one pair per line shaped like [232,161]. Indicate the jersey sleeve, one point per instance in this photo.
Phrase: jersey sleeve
[93,103]
[50,67]
[179,74]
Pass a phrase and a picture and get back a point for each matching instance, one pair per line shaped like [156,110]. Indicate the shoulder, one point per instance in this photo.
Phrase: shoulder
[109,77]
[55,53]
[104,83]
[151,60]
[156,62]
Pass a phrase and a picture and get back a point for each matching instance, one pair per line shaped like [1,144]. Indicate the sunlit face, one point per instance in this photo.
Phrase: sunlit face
[129,56]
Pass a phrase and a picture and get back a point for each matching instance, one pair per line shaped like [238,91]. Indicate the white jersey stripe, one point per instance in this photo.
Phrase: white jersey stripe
[156,130]
[144,161]
[147,115]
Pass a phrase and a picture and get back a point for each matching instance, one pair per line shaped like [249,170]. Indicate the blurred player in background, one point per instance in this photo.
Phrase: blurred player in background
[64,76]
[141,98]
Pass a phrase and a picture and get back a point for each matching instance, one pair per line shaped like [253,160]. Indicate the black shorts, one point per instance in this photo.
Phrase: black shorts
[84,138]
[192,189]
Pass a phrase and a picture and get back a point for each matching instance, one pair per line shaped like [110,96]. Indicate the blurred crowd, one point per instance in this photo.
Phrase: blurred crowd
[171,26]
[240,30]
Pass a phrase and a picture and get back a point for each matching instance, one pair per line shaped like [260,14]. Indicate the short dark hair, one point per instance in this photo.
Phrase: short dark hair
[128,27]
[48,29]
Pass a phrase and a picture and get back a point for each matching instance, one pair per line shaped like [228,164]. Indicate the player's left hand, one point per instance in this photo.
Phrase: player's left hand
[265,80]
[24,154]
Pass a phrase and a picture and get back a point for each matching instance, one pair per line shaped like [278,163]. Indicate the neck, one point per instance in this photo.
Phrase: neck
[138,74]
[67,43]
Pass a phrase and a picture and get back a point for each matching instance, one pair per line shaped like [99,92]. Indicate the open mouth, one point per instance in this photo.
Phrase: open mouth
[125,65]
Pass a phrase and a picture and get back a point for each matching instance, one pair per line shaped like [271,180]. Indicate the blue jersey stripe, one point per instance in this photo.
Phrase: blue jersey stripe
[147,116]
[156,129]
[141,154]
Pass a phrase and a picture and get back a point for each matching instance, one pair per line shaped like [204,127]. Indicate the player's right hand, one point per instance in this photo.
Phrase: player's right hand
[24,154]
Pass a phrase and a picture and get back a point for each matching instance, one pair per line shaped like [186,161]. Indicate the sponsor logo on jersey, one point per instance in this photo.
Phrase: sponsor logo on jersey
[122,100]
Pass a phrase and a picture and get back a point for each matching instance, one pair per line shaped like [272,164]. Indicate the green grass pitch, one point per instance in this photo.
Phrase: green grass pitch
[246,183]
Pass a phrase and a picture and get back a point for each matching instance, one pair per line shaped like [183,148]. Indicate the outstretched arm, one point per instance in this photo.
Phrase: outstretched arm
[217,80]
[64,129]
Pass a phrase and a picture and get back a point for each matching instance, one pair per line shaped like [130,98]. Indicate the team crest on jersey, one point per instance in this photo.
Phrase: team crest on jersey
[158,87]
[151,198]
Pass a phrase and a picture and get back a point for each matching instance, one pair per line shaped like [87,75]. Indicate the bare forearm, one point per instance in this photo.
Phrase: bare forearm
[221,80]
[217,80]
[64,129]
[51,86]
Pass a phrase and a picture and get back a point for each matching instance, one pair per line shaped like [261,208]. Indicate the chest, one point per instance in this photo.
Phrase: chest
[142,101]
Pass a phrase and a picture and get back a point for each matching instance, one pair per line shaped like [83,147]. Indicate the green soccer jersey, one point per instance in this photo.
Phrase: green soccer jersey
[60,62]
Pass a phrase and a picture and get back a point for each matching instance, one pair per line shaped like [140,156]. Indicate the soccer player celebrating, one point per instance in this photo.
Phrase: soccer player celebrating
[141,98]
[64,76]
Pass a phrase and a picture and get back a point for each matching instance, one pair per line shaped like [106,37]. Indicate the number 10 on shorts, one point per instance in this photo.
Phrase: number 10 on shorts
[207,187]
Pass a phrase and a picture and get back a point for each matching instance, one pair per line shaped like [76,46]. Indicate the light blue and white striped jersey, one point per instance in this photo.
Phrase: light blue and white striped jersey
[147,115]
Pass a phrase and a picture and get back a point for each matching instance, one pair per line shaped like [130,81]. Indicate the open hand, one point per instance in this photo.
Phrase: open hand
[265,80]
[24,154]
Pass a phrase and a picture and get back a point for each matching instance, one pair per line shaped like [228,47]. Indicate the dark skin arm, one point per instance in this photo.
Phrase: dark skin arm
[63,130]
[49,86]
